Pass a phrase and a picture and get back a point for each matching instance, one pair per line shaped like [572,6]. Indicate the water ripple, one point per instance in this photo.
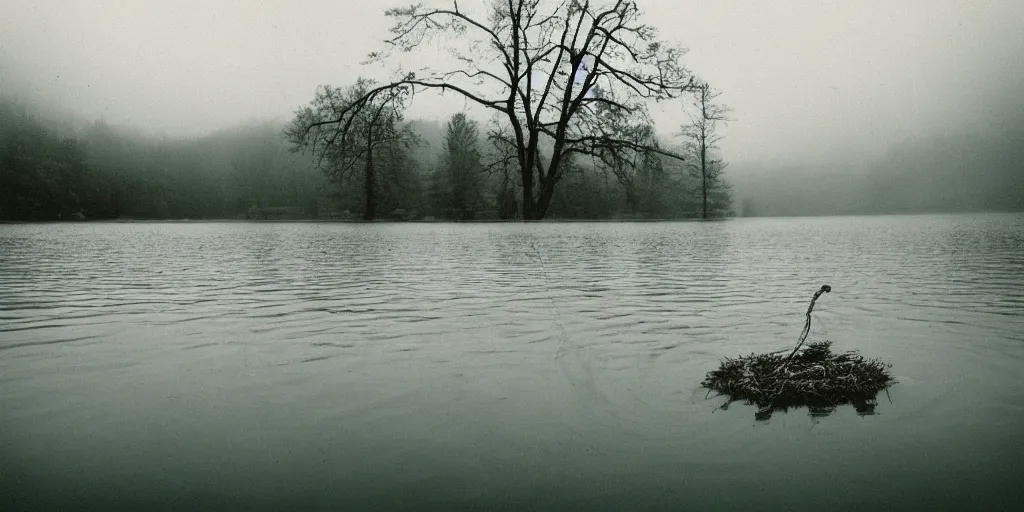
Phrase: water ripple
[579,296]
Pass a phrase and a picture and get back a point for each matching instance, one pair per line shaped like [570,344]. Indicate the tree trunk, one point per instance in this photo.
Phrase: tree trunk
[369,210]
[704,177]
[547,191]
[509,205]
[507,198]
[632,201]
[529,212]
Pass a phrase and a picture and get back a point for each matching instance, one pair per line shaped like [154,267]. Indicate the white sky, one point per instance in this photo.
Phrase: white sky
[807,79]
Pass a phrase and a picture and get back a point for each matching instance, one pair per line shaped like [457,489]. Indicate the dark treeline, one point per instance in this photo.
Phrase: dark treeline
[51,170]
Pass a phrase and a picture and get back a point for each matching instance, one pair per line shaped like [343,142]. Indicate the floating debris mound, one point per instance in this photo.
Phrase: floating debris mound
[814,377]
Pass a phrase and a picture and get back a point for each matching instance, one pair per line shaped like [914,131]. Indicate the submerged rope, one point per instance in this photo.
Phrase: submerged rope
[807,326]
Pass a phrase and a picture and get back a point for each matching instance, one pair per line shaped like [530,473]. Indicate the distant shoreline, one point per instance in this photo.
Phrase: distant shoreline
[339,221]
[488,221]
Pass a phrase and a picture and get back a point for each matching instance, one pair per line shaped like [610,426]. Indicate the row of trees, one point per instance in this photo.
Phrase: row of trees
[53,170]
[464,174]
[40,172]
[568,84]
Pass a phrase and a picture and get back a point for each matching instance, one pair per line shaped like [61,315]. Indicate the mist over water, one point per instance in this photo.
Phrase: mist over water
[227,366]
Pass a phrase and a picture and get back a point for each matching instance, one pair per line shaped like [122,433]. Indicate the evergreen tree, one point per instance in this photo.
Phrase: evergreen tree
[459,180]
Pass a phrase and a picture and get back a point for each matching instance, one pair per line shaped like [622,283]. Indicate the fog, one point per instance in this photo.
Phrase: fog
[883,95]
[973,165]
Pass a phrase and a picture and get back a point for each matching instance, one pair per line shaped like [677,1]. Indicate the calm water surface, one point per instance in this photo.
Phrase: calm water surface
[231,366]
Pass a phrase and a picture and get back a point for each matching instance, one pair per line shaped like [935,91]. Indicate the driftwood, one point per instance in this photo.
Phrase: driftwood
[814,377]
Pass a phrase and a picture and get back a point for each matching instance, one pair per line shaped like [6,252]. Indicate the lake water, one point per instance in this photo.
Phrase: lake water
[554,366]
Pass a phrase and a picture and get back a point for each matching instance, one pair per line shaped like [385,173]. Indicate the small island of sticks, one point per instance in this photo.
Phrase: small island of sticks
[814,377]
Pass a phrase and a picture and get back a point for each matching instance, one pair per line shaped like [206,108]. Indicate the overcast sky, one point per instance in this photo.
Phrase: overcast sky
[810,80]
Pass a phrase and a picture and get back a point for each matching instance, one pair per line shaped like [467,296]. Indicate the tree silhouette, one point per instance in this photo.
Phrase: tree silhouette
[459,174]
[543,68]
[702,139]
[370,124]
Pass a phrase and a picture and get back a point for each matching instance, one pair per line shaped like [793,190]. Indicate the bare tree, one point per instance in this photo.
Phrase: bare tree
[374,125]
[702,139]
[542,66]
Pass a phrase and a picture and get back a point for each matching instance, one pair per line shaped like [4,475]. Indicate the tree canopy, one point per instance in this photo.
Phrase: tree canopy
[374,129]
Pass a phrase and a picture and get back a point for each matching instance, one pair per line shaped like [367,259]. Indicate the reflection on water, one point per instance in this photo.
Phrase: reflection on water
[239,366]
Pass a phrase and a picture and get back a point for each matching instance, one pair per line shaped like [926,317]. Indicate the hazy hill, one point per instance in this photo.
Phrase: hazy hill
[980,169]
